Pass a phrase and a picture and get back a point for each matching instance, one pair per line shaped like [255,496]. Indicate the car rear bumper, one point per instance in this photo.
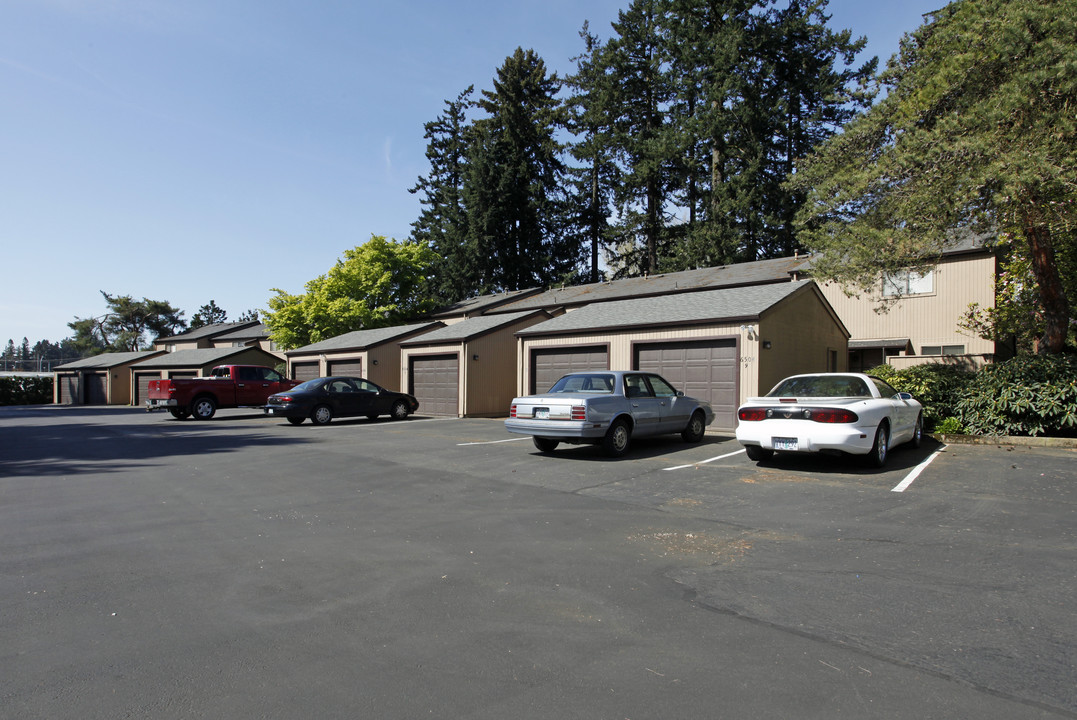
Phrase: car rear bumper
[560,429]
[809,436]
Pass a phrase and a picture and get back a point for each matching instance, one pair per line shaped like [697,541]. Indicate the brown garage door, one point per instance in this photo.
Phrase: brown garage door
[95,388]
[434,381]
[704,369]
[548,365]
[346,367]
[69,389]
[142,386]
[173,374]
[304,371]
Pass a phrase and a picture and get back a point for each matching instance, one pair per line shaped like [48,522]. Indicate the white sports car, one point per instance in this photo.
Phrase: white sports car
[830,412]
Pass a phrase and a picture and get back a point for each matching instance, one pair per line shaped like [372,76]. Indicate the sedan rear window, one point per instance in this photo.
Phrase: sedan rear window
[821,386]
[593,384]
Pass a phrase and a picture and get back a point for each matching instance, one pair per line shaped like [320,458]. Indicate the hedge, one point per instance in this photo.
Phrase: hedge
[939,388]
[18,390]
[1028,395]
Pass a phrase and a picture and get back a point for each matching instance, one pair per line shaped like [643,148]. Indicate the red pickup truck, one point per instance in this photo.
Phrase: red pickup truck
[227,386]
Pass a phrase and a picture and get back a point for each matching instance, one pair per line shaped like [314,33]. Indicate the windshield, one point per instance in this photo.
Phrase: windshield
[821,386]
[592,384]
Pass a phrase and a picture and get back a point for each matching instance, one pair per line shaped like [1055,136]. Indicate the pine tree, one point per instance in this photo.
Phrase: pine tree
[513,189]
[636,105]
[442,225]
[594,180]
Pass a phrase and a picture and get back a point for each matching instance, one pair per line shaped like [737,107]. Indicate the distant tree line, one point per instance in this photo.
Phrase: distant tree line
[127,325]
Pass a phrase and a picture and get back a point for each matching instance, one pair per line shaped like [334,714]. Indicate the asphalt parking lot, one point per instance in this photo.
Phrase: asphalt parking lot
[243,567]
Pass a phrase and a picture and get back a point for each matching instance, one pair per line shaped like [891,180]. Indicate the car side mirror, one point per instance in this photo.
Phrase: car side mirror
[904,396]
[680,393]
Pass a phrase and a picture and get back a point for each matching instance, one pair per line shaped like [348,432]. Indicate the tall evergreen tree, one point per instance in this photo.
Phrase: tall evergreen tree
[208,315]
[442,225]
[814,91]
[593,181]
[513,188]
[638,56]
[714,125]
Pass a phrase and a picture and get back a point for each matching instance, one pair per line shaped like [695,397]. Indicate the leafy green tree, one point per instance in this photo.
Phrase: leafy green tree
[977,130]
[377,284]
[128,325]
[248,316]
[208,315]
[513,190]
[442,225]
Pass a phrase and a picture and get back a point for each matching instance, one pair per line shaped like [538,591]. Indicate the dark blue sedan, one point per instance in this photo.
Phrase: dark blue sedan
[323,399]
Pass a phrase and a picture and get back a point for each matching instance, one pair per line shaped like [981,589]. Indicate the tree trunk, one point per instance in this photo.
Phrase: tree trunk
[1052,294]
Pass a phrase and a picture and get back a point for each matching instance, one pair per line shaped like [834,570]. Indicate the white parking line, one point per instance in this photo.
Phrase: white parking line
[491,442]
[904,484]
[703,462]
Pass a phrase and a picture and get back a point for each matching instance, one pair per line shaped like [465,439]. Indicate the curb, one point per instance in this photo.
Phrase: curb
[1040,442]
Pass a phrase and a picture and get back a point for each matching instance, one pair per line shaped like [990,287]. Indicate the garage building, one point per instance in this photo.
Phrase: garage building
[717,345]
[467,369]
[103,379]
[373,354]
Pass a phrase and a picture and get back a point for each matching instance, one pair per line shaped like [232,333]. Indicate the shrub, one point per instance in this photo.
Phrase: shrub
[1028,395]
[949,426]
[938,388]
[18,390]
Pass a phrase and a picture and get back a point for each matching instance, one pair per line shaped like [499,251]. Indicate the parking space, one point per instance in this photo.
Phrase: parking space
[137,549]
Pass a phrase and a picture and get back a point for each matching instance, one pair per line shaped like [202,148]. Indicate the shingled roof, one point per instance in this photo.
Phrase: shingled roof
[779,270]
[723,305]
[363,339]
[108,360]
[471,329]
[210,331]
[483,303]
[195,358]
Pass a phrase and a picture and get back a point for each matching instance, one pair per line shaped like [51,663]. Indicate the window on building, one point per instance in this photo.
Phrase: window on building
[942,350]
[908,282]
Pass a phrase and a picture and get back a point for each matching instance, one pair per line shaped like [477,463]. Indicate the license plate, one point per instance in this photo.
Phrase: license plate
[785,443]
[542,413]
[269,411]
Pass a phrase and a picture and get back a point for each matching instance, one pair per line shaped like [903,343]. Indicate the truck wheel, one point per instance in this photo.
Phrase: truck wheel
[321,415]
[179,414]
[203,408]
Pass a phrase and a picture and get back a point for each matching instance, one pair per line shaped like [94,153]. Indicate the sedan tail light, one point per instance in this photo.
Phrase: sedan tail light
[752,414]
[283,398]
[512,410]
[579,412]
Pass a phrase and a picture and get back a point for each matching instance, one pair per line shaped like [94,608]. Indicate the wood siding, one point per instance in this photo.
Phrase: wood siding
[930,319]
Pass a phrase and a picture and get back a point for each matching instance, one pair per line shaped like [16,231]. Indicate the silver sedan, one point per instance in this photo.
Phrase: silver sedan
[608,409]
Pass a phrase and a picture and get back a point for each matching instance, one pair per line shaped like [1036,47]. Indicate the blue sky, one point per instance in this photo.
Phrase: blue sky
[197,150]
